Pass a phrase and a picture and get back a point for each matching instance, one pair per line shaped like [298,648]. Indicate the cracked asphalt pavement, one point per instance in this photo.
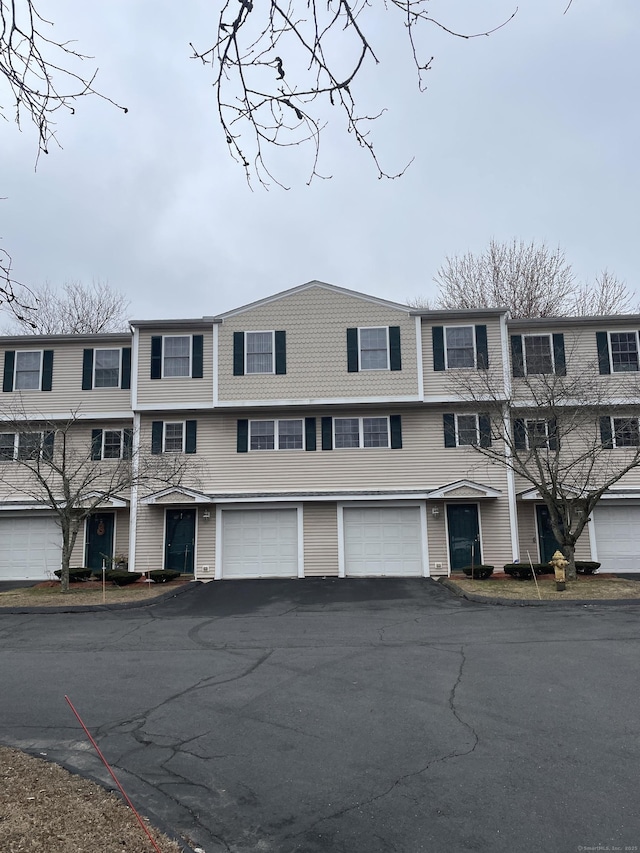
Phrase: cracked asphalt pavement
[350,716]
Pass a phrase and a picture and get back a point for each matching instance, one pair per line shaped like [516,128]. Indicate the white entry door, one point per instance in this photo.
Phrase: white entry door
[260,543]
[382,541]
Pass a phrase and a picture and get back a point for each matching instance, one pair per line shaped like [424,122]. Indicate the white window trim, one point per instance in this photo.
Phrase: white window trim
[612,420]
[273,353]
[112,458]
[187,375]
[610,349]
[361,420]
[15,370]
[164,436]
[108,349]
[372,369]
[473,340]
[469,415]
[547,335]
[16,443]
[276,435]
[545,421]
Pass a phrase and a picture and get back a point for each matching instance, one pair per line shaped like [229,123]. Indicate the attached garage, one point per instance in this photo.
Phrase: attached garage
[383,541]
[30,547]
[259,543]
[617,536]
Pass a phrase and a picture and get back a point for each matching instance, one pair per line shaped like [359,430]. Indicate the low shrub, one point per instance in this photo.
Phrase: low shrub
[587,567]
[481,572]
[76,574]
[523,571]
[163,575]
[120,578]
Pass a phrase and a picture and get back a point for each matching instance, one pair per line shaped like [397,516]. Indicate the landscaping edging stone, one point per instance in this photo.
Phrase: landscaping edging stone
[89,608]
[526,602]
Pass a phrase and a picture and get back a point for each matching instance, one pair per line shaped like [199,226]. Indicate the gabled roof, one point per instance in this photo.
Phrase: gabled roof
[309,285]
[111,501]
[176,493]
[467,487]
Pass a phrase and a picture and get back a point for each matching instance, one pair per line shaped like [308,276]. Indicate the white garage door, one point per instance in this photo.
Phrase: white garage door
[382,541]
[29,548]
[617,530]
[260,543]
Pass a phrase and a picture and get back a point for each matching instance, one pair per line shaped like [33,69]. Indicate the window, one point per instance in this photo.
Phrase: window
[626,432]
[535,434]
[624,351]
[269,435]
[361,432]
[28,371]
[538,354]
[106,368]
[259,352]
[374,349]
[24,446]
[460,349]
[176,356]
[466,430]
[173,437]
[112,444]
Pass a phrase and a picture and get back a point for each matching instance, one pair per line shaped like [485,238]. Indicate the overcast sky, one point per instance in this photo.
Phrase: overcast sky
[533,132]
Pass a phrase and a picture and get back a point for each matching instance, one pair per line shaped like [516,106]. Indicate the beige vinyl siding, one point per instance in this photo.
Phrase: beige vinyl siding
[205,542]
[149,538]
[422,463]
[316,322]
[66,395]
[182,389]
[528,535]
[320,522]
[443,382]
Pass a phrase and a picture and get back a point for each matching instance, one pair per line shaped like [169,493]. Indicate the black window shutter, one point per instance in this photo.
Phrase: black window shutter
[309,433]
[352,351]
[606,436]
[47,446]
[281,353]
[602,342]
[125,380]
[238,353]
[127,443]
[484,422]
[395,422]
[558,354]
[96,444]
[327,433]
[9,364]
[519,434]
[243,435]
[47,369]
[190,438]
[395,354]
[517,358]
[552,428]
[449,424]
[482,348]
[197,346]
[156,436]
[156,357]
[87,369]
[437,334]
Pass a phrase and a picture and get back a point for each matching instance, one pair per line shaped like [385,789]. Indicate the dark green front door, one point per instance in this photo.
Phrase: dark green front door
[547,541]
[464,536]
[180,538]
[99,540]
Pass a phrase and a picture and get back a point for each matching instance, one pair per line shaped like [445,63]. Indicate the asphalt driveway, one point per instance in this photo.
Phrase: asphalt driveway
[344,716]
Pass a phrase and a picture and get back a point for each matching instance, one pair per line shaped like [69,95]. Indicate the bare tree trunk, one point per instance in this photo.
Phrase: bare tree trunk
[569,551]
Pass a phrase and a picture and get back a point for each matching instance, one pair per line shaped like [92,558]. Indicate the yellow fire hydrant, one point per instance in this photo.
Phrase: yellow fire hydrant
[559,564]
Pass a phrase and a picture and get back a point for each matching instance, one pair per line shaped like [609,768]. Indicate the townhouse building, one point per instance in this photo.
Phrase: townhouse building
[323,434]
